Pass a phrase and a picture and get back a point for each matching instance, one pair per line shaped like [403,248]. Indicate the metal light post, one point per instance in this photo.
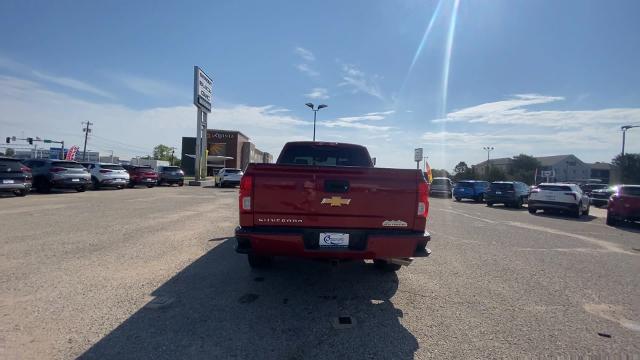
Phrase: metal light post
[624,133]
[488,149]
[315,113]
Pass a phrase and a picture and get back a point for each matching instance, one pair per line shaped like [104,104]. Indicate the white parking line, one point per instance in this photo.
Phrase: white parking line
[470,216]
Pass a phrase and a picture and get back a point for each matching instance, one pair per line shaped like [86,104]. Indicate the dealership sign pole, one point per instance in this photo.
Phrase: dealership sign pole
[202,99]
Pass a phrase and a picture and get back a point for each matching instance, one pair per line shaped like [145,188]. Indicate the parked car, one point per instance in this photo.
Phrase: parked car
[49,174]
[470,189]
[108,175]
[228,177]
[624,205]
[509,193]
[170,175]
[441,186]
[558,196]
[327,201]
[14,176]
[588,188]
[600,197]
[141,175]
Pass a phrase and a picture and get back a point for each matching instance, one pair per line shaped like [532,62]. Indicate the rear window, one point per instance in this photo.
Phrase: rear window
[555,188]
[440,182]
[501,186]
[631,191]
[325,155]
[112,167]
[233,171]
[68,165]
[465,184]
[6,164]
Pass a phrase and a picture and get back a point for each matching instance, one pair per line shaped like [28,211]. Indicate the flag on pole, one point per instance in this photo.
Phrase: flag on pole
[427,170]
[71,154]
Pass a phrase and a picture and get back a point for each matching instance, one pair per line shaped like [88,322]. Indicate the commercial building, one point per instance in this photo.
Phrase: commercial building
[225,148]
[561,168]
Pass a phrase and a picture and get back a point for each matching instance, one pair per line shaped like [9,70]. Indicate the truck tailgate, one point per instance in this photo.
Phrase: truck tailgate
[334,197]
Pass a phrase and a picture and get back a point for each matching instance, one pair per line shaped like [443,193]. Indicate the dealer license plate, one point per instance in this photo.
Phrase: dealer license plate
[7,181]
[334,240]
[75,180]
[499,192]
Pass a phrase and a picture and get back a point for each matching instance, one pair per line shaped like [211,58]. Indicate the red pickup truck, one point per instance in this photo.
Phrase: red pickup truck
[326,200]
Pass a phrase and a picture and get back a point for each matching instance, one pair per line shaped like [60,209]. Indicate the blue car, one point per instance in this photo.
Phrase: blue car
[470,189]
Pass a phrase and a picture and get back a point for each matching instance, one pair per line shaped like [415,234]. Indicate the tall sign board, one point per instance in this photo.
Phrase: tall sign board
[417,157]
[202,99]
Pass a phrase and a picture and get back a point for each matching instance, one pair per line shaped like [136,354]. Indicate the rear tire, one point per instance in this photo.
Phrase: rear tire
[489,204]
[96,183]
[150,186]
[611,220]
[518,204]
[43,186]
[586,212]
[532,211]
[578,212]
[131,185]
[480,198]
[259,262]
[386,266]
[458,199]
[81,188]
[21,193]
[181,183]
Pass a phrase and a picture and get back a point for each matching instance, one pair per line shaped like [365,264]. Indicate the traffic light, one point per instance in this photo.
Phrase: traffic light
[8,139]
[30,141]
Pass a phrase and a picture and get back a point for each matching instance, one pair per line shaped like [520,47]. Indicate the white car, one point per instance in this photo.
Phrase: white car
[108,175]
[558,196]
[228,177]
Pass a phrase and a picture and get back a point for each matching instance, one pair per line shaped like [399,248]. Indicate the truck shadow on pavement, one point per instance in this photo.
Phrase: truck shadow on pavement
[219,308]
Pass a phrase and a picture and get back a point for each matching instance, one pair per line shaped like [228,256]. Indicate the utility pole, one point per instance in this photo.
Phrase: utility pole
[173,150]
[86,130]
[111,156]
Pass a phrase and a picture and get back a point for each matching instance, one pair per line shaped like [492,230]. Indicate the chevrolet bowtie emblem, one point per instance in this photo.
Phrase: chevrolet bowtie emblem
[336,201]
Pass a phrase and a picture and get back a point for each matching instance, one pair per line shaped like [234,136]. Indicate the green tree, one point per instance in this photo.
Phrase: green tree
[628,167]
[440,173]
[162,152]
[9,152]
[495,174]
[462,171]
[523,168]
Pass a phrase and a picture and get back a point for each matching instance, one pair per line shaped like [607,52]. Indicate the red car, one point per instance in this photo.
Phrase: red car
[327,201]
[624,205]
[141,175]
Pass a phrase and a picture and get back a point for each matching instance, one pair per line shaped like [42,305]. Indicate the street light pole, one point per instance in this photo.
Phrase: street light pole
[488,149]
[624,133]
[315,113]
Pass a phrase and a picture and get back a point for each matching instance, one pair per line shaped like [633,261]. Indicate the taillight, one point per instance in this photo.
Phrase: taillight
[56,169]
[104,171]
[535,190]
[25,169]
[423,199]
[572,194]
[246,187]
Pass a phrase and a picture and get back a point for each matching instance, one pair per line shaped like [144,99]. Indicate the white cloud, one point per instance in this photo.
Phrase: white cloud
[318,93]
[71,83]
[305,68]
[129,131]
[149,87]
[305,54]
[513,111]
[358,81]
[356,122]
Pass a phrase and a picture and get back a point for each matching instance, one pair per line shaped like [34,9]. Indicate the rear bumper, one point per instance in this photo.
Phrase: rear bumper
[599,201]
[465,194]
[113,182]
[230,182]
[499,199]
[16,186]
[143,181]
[69,183]
[440,192]
[551,205]
[302,243]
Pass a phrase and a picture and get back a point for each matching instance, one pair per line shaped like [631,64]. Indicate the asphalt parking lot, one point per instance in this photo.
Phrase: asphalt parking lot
[149,273]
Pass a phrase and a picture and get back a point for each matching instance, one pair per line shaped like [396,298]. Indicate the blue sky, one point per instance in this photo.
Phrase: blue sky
[535,77]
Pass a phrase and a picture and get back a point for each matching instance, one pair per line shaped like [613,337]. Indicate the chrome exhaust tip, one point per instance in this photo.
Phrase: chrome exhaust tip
[401,261]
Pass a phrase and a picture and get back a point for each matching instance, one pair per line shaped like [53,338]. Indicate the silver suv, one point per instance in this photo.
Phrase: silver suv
[227,177]
[108,175]
[48,174]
